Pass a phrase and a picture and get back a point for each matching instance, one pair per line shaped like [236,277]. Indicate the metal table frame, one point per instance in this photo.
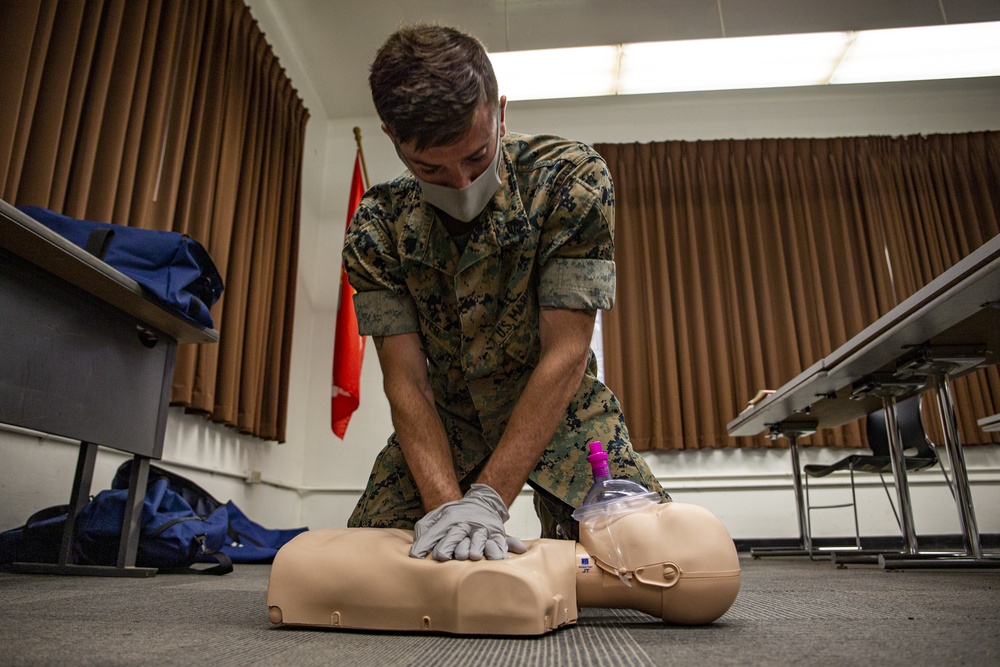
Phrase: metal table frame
[914,345]
[100,374]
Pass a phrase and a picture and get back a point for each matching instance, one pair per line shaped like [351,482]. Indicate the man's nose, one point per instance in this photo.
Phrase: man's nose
[461,178]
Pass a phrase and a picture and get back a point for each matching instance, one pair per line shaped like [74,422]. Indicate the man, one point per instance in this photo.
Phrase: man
[478,274]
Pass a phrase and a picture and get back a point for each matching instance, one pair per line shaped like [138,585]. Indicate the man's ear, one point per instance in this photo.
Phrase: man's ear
[503,115]
[388,133]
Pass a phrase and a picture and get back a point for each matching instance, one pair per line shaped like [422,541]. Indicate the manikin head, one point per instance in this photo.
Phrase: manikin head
[671,560]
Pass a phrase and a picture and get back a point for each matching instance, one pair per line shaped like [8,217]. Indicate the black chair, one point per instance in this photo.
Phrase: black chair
[918,451]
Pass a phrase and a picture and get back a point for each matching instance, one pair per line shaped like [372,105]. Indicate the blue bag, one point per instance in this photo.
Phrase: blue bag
[246,541]
[182,528]
[38,540]
[252,543]
[173,267]
[171,536]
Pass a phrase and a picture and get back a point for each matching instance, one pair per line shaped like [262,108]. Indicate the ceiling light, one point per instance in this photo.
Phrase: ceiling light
[915,54]
[737,62]
[769,61]
[552,73]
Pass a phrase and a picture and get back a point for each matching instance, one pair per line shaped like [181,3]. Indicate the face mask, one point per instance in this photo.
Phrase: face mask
[467,203]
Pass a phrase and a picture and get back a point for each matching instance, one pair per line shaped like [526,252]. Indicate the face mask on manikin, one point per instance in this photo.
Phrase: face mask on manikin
[464,204]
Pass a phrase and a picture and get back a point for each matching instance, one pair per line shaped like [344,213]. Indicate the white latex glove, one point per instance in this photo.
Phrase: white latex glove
[466,529]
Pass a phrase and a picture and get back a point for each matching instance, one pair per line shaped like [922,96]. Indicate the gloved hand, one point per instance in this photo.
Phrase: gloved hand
[466,529]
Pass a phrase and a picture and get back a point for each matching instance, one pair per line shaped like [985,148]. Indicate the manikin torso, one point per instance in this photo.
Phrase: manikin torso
[680,565]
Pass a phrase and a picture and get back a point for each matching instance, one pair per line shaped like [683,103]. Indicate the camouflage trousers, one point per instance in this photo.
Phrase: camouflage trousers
[392,499]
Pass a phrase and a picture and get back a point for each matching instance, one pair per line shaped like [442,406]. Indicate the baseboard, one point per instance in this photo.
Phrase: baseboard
[888,542]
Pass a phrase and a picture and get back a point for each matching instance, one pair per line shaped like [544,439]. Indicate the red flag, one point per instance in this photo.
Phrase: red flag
[348,346]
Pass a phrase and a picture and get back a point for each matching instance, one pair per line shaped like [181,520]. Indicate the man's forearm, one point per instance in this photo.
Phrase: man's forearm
[425,446]
[418,426]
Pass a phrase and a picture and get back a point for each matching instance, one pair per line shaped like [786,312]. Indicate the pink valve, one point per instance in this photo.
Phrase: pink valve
[598,461]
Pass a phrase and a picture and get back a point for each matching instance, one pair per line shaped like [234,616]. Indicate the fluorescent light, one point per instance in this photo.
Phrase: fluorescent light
[915,54]
[770,61]
[737,62]
[551,73]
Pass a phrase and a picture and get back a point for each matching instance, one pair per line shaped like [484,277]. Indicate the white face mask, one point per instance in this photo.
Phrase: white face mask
[464,204]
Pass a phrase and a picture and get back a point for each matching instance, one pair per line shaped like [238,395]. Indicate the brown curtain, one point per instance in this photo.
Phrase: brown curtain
[741,263]
[171,115]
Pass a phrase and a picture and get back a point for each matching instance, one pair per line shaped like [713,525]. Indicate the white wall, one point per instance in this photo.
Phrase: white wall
[749,489]
[315,478]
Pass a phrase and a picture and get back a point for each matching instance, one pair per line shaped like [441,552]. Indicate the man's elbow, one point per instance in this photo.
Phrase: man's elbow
[402,391]
[572,364]
[580,359]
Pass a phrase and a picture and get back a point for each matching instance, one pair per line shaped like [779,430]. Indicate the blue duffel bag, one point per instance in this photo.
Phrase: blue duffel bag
[183,529]
[173,267]
[171,537]
[246,540]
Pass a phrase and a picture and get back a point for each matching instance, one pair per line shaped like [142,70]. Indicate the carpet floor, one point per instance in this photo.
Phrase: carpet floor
[789,611]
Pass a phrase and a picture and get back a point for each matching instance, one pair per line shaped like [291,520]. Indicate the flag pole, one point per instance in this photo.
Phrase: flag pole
[361,152]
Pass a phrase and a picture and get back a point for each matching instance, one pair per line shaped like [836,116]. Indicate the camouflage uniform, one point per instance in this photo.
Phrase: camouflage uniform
[545,240]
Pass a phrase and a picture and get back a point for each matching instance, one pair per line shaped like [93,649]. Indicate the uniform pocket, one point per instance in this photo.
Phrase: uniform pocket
[443,346]
[516,331]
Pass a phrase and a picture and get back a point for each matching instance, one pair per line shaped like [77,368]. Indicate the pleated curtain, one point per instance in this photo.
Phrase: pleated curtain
[743,262]
[171,115]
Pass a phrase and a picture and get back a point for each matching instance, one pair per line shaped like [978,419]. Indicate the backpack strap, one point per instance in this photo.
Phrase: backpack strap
[223,563]
[98,241]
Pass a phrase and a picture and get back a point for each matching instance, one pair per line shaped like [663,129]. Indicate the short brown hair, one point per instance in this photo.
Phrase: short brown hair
[428,81]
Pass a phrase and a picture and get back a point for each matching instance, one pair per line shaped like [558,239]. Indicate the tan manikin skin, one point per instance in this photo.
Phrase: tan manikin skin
[680,561]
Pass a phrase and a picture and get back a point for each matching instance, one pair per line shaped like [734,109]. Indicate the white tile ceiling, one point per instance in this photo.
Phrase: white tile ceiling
[334,40]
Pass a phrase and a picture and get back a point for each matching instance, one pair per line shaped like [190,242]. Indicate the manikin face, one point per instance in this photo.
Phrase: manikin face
[459,164]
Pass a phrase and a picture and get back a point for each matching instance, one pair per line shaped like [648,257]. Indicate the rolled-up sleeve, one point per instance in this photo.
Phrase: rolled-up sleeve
[577,259]
[385,313]
[578,284]
[382,303]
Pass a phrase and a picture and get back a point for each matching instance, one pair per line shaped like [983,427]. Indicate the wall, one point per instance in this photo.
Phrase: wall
[37,471]
[749,489]
[315,478]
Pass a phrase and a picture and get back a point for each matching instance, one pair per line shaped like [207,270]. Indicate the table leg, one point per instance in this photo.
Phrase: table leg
[899,475]
[800,504]
[963,496]
[128,545]
[805,548]
[79,496]
[973,557]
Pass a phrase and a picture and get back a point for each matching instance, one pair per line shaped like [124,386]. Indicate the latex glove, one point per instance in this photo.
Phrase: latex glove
[466,529]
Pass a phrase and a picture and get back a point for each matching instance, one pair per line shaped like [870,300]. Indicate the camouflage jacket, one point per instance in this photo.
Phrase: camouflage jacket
[545,240]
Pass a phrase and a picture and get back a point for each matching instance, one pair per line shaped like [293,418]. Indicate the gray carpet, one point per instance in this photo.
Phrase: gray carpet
[790,611]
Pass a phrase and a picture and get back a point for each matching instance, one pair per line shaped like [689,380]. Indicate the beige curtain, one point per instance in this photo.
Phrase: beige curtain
[741,263]
[170,115]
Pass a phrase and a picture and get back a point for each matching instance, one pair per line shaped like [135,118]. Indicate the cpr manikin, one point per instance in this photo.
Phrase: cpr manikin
[671,560]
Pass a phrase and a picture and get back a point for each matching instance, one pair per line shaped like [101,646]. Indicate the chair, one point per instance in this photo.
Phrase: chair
[918,451]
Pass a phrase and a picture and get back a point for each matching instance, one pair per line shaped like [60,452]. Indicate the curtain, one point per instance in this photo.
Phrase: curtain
[171,115]
[742,263]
